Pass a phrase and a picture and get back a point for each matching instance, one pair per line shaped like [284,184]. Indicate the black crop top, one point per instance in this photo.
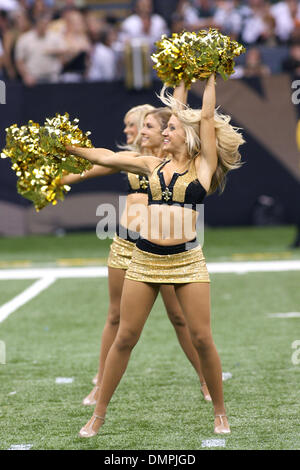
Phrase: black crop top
[184,188]
[137,183]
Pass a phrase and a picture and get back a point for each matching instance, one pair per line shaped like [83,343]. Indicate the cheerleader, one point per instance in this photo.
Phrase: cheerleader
[204,147]
[143,129]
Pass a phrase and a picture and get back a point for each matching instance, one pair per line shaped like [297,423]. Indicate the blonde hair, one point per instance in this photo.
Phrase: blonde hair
[141,111]
[228,138]
[162,115]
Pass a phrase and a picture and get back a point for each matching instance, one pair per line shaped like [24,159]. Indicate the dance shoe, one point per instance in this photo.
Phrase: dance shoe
[206,394]
[87,430]
[90,399]
[95,379]
[222,427]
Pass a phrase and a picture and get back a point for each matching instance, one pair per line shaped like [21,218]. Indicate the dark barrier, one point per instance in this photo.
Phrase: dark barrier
[262,107]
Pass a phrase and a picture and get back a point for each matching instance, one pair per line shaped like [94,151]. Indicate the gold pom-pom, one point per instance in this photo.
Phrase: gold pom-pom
[190,56]
[40,160]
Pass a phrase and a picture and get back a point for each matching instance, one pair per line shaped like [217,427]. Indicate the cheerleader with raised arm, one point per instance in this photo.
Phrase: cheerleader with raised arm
[204,147]
[143,128]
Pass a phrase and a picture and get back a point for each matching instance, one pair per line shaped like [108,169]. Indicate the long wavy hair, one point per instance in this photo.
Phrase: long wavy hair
[228,138]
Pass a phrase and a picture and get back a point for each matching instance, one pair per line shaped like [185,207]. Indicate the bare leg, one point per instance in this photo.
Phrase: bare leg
[136,303]
[197,314]
[177,319]
[115,286]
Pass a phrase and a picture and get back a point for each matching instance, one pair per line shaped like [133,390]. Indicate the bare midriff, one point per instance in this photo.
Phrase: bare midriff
[159,223]
[169,225]
[135,211]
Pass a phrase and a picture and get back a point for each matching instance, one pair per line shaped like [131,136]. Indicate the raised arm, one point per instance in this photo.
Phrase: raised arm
[120,161]
[180,93]
[207,125]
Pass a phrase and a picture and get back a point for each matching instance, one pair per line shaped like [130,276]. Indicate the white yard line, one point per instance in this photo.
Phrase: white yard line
[254,266]
[46,276]
[36,273]
[284,315]
[101,271]
[25,296]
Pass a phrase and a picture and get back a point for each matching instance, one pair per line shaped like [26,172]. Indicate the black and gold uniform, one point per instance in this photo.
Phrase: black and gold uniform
[173,264]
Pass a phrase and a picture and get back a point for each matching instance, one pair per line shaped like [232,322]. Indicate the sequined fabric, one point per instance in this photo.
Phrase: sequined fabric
[179,268]
[183,189]
[191,56]
[137,183]
[120,253]
[39,157]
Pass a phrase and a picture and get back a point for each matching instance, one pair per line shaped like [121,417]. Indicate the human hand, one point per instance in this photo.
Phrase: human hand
[69,148]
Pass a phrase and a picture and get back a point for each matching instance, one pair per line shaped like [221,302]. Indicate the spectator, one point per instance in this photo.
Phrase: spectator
[103,60]
[95,25]
[77,45]
[177,22]
[143,24]
[227,18]
[165,9]
[20,24]
[292,63]
[254,66]
[37,8]
[38,53]
[4,25]
[199,14]
[287,18]
[255,21]
[268,36]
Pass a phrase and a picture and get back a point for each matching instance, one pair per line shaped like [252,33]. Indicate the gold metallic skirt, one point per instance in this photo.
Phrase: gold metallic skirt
[120,253]
[178,268]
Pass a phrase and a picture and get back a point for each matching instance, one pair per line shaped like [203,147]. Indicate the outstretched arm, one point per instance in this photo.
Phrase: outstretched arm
[94,172]
[120,161]
[207,125]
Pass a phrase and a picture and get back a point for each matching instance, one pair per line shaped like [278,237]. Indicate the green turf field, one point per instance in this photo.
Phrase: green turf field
[158,404]
[245,243]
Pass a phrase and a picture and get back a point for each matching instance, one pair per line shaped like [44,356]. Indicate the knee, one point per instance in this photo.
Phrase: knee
[202,341]
[176,318]
[114,315]
[126,340]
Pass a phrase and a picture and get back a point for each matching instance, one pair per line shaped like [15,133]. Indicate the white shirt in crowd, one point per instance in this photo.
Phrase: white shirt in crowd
[228,18]
[132,28]
[190,14]
[103,63]
[253,25]
[284,21]
[35,52]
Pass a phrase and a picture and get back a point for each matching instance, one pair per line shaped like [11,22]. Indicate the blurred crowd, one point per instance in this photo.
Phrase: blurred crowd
[44,41]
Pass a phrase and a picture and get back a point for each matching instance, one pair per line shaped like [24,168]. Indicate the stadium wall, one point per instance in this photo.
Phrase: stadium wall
[263,107]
